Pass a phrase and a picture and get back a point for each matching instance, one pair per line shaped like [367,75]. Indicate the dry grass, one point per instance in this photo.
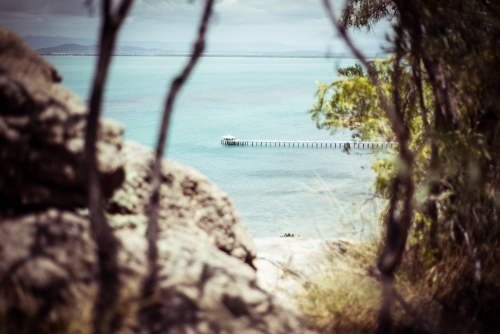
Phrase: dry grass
[346,299]
[344,304]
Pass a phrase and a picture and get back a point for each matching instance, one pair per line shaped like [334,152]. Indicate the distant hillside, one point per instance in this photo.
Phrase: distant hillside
[89,50]
[44,42]
[86,46]
[37,42]
[289,54]
[69,48]
[77,49]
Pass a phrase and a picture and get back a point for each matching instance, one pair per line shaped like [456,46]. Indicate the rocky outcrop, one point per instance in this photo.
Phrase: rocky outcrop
[48,272]
[49,278]
[42,128]
[206,291]
[189,201]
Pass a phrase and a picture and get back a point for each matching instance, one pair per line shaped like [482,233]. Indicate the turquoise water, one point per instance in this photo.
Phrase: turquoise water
[306,191]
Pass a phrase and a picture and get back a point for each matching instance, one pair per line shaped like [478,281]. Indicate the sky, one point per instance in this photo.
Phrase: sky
[301,24]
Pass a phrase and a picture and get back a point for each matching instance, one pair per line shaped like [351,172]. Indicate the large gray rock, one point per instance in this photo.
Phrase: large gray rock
[188,201]
[48,270]
[42,128]
[203,290]
[48,273]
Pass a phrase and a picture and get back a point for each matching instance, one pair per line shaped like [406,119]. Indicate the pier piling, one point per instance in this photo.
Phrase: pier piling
[305,143]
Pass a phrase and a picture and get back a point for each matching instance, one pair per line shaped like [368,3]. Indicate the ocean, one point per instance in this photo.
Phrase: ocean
[311,192]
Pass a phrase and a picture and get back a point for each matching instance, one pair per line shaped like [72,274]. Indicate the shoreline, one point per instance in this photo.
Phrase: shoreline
[207,56]
[285,264]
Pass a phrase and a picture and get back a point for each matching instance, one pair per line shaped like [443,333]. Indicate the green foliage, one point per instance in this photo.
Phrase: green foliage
[352,71]
[354,96]
[364,13]
[446,89]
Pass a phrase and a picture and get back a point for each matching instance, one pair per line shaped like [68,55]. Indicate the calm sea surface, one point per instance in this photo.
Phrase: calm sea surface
[306,191]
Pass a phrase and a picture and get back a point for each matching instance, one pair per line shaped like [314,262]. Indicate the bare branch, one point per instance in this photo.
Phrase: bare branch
[121,13]
[402,188]
[384,320]
[417,78]
[397,126]
[420,322]
[174,89]
[416,70]
[106,242]
[394,245]
[397,72]
[445,111]
[106,9]
[176,85]
[389,293]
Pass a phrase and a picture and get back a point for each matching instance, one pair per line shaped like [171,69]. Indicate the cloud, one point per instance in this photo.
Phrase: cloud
[64,7]
[240,11]
[300,22]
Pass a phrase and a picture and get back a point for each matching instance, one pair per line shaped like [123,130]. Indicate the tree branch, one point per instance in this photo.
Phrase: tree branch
[397,226]
[106,9]
[176,85]
[397,126]
[406,156]
[420,322]
[417,78]
[106,242]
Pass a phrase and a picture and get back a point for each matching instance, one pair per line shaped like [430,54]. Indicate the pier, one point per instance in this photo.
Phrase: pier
[308,143]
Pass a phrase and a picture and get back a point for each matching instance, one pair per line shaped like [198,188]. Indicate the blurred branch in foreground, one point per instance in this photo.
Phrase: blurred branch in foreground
[397,226]
[102,232]
[149,317]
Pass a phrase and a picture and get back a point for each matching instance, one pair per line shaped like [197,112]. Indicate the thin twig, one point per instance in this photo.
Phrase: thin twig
[153,228]
[394,248]
[160,147]
[174,89]
[397,72]
[387,277]
[106,242]
[397,126]
[397,227]
[417,78]
[391,292]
